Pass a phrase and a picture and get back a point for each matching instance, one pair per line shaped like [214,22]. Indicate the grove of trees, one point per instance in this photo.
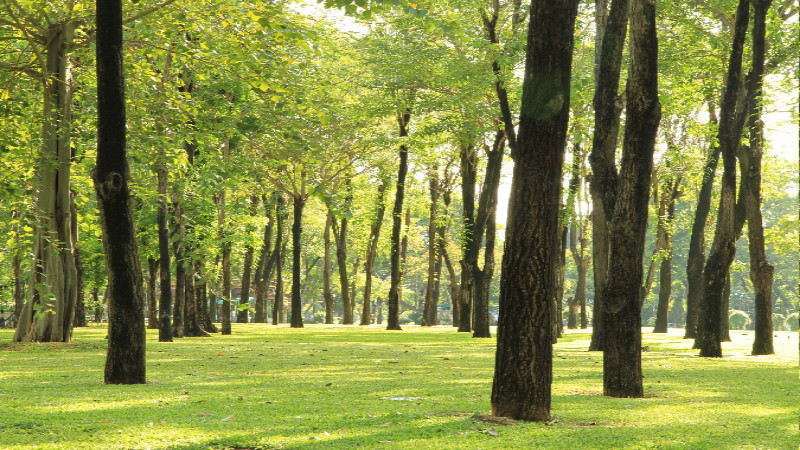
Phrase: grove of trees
[192,164]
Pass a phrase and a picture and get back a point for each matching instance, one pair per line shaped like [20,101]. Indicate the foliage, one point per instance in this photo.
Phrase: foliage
[739,320]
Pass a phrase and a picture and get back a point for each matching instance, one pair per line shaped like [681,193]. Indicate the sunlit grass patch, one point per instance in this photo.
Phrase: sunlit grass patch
[337,387]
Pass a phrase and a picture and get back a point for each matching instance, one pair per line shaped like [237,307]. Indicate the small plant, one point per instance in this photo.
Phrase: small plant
[739,320]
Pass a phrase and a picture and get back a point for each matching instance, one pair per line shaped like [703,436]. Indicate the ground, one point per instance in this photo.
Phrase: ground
[350,386]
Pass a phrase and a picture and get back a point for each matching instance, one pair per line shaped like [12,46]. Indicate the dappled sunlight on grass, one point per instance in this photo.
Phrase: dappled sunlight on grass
[336,386]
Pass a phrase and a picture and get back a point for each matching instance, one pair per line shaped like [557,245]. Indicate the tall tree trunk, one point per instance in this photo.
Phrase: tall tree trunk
[125,360]
[761,271]
[430,307]
[297,231]
[723,249]
[178,323]
[611,32]
[193,324]
[622,359]
[393,321]
[80,311]
[523,362]
[470,245]
[372,251]
[340,233]
[19,297]
[327,292]
[152,309]
[665,273]
[244,298]
[48,315]
[485,229]
[201,296]
[164,275]
[260,283]
[278,312]
[226,252]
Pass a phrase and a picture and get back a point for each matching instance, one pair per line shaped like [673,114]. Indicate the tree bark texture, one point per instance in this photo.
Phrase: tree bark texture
[278,311]
[164,273]
[761,271]
[226,252]
[665,272]
[611,32]
[178,314]
[622,363]
[471,244]
[393,319]
[47,315]
[244,298]
[262,276]
[298,202]
[723,249]
[523,362]
[372,251]
[152,309]
[430,306]
[125,360]
[340,233]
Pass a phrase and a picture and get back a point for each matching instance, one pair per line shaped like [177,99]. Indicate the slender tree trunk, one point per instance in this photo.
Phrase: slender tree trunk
[201,296]
[48,315]
[178,325]
[152,309]
[278,313]
[430,307]
[261,277]
[327,292]
[393,322]
[125,361]
[164,275]
[724,318]
[723,248]
[665,273]
[761,271]
[244,298]
[523,362]
[372,251]
[297,231]
[622,361]
[226,253]
[192,323]
[471,244]
[19,298]
[611,32]
[340,232]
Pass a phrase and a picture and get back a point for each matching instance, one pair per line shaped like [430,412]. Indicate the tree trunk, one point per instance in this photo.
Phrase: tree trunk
[164,275]
[761,271]
[193,321]
[393,321]
[622,361]
[179,313]
[262,276]
[201,296]
[125,361]
[471,243]
[48,315]
[278,312]
[430,307]
[297,231]
[340,234]
[665,274]
[152,309]
[327,292]
[372,251]
[611,32]
[523,362]
[19,297]
[723,249]
[244,298]
[226,253]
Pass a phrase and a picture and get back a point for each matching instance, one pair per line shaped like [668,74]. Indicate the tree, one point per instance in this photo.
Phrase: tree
[125,362]
[523,361]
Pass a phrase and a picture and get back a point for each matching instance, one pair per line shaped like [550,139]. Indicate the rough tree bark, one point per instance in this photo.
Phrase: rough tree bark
[152,309]
[666,216]
[260,276]
[761,271]
[242,312]
[47,315]
[226,252]
[611,30]
[125,361]
[723,248]
[340,234]
[471,244]
[178,314]
[523,362]
[393,320]
[622,301]
[372,251]
[430,306]
[278,312]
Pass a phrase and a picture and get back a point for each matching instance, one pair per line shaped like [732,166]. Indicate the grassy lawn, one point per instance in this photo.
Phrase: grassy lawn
[340,387]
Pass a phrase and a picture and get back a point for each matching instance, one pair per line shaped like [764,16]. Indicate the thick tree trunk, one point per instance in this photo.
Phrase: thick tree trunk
[125,361]
[723,249]
[761,271]
[393,321]
[152,309]
[48,315]
[611,32]
[523,362]
[327,292]
[471,243]
[297,230]
[261,276]
[622,362]
[372,251]
[431,303]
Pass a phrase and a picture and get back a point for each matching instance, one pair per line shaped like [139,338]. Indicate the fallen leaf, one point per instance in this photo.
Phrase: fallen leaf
[384,442]
[228,418]
[385,424]
[220,354]
[329,384]
[490,431]
[587,424]
[205,413]
[104,421]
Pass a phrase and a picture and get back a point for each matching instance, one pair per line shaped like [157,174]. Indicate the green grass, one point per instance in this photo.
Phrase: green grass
[341,387]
